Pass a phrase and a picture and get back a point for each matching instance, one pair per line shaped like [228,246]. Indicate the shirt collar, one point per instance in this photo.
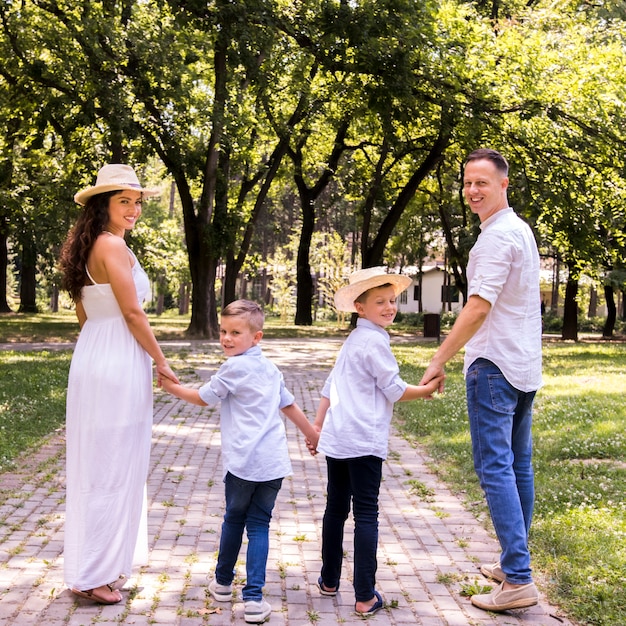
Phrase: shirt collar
[253,351]
[362,322]
[496,216]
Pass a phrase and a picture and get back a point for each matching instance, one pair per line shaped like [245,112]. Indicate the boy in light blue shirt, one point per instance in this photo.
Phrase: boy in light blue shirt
[354,417]
[252,393]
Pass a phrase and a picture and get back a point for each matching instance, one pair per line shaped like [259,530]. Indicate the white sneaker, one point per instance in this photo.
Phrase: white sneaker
[256,612]
[221,593]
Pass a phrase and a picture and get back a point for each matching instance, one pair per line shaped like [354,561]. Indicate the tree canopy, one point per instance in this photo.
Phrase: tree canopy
[348,116]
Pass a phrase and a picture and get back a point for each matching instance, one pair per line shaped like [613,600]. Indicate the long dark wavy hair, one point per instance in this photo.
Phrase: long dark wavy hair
[77,246]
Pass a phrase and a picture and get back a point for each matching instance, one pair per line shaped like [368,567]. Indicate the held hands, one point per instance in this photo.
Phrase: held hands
[434,384]
[434,372]
[165,373]
[311,444]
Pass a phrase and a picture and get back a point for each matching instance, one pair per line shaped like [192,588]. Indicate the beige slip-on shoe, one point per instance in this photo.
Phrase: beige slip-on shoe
[493,571]
[501,600]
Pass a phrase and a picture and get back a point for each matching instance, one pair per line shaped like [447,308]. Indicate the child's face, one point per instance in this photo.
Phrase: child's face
[379,307]
[236,336]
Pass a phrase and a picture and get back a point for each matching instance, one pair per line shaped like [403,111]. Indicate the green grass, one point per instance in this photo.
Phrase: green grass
[578,537]
[62,327]
[32,400]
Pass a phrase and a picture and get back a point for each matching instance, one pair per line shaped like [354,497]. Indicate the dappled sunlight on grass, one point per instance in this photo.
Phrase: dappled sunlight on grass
[579,530]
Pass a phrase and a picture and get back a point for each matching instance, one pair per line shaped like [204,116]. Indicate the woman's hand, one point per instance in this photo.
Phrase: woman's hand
[165,371]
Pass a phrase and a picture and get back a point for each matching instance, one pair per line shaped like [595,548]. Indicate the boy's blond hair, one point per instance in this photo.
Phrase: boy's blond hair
[248,309]
[363,297]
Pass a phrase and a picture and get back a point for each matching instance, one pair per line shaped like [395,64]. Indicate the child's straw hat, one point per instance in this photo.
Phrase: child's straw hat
[114,177]
[368,278]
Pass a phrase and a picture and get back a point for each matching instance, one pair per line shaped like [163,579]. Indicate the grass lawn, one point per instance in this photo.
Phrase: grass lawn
[578,538]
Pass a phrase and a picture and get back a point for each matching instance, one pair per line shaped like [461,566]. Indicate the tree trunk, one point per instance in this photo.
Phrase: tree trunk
[4,264]
[229,282]
[373,254]
[570,311]
[28,279]
[611,312]
[203,322]
[304,297]
[592,311]
[54,299]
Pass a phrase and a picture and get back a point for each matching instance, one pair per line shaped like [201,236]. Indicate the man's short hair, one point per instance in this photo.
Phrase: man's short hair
[490,155]
[248,309]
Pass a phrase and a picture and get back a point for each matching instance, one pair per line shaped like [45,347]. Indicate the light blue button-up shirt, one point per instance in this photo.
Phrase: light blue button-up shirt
[503,269]
[252,391]
[362,387]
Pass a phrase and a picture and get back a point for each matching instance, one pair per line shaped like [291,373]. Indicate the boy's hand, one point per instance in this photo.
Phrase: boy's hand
[434,384]
[434,372]
[168,385]
[311,444]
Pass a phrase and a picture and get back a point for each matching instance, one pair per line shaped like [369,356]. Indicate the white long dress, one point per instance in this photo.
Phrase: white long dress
[108,430]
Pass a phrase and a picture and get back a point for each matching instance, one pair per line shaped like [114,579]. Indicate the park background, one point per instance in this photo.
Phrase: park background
[296,141]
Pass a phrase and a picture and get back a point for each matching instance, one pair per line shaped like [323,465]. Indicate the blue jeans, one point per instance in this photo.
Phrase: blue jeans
[356,480]
[248,504]
[500,424]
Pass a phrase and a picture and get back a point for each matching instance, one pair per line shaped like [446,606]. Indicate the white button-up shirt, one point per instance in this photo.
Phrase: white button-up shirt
[251,390]
[362,387]
[503,269]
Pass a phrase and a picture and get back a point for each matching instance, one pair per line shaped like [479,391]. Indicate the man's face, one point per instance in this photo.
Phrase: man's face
[484,188]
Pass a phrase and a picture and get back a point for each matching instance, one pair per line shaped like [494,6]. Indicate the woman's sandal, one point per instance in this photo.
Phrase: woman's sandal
[96,595]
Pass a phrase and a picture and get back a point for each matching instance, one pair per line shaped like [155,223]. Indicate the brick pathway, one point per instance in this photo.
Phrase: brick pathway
[427,550]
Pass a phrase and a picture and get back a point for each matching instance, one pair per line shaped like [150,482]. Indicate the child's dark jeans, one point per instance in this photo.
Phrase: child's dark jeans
[356,480]
[249,505]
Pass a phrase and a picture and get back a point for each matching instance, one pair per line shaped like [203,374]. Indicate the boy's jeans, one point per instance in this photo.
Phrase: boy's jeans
[500,424]
[248,504]
[356,479]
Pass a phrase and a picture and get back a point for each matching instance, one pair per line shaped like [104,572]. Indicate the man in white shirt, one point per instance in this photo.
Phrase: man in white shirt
[500,327]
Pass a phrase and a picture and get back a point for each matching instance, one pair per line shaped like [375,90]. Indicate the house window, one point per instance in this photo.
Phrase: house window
[403,298]
[449,293]
[416,292]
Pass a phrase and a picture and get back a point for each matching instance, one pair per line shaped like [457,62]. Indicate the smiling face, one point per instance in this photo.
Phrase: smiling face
[236,335]
[484,188]
[378,305]
[124,211]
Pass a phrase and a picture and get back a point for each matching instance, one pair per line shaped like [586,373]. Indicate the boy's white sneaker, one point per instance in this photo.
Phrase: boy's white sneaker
[221,593]
[256,612]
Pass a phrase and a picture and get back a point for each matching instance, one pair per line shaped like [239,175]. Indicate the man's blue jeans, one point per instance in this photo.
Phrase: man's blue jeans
[356,480]
[500,424]
[249,505]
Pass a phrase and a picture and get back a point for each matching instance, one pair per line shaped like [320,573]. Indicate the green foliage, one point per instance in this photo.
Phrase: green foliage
[577,538]
[374,103]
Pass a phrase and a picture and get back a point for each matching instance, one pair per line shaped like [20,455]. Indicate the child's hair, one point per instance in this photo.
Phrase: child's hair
[363,297]
[248,309]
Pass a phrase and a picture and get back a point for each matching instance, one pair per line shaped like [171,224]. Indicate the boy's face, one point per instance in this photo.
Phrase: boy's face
[379,307]
[236,336]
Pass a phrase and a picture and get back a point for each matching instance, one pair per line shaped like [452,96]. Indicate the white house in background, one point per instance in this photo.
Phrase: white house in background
[439,294]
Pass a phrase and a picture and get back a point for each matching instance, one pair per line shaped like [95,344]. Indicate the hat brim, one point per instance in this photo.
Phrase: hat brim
[345,296]
[82,196]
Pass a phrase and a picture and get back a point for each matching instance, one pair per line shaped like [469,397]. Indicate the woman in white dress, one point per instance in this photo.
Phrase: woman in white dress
[109,394]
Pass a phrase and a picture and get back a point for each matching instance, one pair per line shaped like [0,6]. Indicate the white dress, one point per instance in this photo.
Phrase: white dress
[109,429]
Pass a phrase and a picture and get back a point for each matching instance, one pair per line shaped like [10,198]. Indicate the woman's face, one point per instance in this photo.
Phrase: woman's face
[124,211]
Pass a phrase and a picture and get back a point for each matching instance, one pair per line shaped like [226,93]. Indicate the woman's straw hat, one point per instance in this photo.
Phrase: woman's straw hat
[115,177]
[368,278]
